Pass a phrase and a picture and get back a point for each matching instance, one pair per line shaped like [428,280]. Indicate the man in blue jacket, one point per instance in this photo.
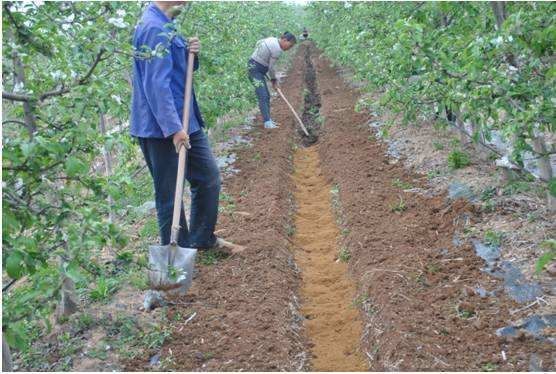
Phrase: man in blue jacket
[156,121]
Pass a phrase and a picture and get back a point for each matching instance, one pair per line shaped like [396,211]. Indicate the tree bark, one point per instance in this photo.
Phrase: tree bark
[6,356]
[107,162]
[19,78]
[499,9]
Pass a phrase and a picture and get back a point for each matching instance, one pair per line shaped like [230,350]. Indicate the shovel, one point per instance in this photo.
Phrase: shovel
[171,266]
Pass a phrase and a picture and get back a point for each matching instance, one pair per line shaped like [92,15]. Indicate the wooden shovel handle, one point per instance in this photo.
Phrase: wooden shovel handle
[293,111]
[182,157]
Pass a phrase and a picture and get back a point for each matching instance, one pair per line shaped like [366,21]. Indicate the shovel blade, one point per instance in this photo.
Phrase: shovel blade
[171,268]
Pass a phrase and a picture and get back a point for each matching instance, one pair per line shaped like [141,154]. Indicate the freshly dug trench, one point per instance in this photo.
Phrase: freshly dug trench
[311,99]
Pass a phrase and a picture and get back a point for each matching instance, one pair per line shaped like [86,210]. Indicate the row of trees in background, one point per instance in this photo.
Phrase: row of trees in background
[488,68]
[69,165]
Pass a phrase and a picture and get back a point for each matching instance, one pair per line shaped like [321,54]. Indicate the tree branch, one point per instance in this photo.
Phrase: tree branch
[61,91]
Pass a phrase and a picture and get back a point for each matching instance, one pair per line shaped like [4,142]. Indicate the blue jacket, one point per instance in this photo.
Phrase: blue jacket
[159,82]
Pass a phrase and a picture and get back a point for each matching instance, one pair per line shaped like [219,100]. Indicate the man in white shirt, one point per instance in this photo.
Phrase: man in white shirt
[262,61]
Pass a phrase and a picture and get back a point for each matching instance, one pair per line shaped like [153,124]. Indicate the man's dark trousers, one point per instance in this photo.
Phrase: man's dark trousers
[204,178]
[257,74]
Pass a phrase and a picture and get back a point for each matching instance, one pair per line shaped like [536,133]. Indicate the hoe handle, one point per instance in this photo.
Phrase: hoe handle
[293,111]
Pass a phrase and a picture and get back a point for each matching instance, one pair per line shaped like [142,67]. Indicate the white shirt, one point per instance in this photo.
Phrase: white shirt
[266,53]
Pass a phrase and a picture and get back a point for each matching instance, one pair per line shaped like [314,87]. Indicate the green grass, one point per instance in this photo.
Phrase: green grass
[344,255]
[458,160]
[547,257]
[103,289]
[433,174]
[489,366]
[437,145]
[227,203]
[398,207]
[149,229]
[493,238]
[210,257]
[401,184]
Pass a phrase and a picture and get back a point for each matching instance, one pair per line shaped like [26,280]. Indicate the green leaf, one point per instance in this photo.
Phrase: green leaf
[14,266]
[552,186]
[15,337]
[75,166]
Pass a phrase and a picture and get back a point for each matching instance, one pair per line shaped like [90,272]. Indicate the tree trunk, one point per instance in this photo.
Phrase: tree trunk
[19,78]
[543,162]
[545,168]
[499,9]
[107,162]
[6,356]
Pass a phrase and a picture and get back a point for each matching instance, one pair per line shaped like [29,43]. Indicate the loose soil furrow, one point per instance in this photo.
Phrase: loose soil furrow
[246,312]
[327,295]
[422,312]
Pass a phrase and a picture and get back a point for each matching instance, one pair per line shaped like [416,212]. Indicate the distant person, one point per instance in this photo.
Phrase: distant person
[262,61]
[305,34]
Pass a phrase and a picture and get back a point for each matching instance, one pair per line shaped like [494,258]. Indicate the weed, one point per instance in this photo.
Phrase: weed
[177,317]
[68,345]
[458,160]
[360,300]
[84,321]
[98,352]
[437,145]
[103,289]
[548,256]
[455,143]
[142,260]
[398,207]
[469,231]
[433,268]
[290,230]
[488,193]
[344,255]
[493,238]
[433,174]
[489,366]
[489,206]
[227,203]
[125,256]
[401,184]
[464,313]
[210,257]
[257,156]
[345,232]
[515,187]
[139,280]
[155,338]
[149,229]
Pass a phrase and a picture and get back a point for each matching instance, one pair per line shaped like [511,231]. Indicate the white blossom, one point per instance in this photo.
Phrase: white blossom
[117,99]
[118,22]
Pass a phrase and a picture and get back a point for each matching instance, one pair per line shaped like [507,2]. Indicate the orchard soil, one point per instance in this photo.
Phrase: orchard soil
[409,290]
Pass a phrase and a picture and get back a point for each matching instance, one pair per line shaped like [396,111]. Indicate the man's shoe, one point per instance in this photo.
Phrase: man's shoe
[270,125]
[224,246]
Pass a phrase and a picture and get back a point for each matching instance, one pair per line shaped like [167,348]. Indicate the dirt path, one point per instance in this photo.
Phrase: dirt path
[332,320]
[407,299]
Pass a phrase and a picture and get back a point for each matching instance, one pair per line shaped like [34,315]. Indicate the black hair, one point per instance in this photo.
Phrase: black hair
[289,37]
